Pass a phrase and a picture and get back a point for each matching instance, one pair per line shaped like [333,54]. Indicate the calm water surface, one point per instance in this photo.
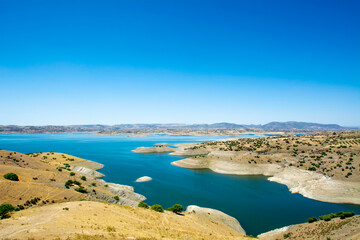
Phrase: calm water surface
[258,204]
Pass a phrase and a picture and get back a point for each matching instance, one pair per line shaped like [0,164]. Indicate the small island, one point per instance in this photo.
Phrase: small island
[143,179]
[155,149]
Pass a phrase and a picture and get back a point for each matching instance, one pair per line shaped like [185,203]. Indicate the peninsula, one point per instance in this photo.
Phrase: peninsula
[322,166]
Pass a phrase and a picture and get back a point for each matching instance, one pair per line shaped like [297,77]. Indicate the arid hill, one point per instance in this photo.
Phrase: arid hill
[98,220]
[336,229]
[56,177]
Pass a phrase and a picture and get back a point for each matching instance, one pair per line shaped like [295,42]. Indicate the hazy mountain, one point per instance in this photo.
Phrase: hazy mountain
[291,125]
[301,125]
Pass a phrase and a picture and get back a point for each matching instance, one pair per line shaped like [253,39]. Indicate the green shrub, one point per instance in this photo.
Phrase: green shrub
[93,184]
[341,214]
[11,177]
[287,235]
[346,215]
[83,178]
[81,190]
[157,208]
[77,183]
[116,198]
[5,209]
[69,183]
[143,205]
[72,174]
[311,220]
[177,208]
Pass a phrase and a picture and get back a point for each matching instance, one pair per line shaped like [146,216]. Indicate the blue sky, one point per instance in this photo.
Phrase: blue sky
[109,62]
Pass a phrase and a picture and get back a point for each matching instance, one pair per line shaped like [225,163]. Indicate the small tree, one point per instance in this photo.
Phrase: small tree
[72,174]
[83,178]
[157,208]
[143,205]
[177,208]
[116,198]
[311,220]
[5,209]
[69,183]
[11,177]
[81,190]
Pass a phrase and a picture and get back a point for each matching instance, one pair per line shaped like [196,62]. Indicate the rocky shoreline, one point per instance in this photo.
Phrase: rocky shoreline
[126,194]
[309,184]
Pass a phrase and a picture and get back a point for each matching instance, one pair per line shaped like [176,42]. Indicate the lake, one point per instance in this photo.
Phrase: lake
[258,204]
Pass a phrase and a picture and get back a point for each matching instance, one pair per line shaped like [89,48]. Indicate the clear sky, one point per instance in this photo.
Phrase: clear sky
[244,61]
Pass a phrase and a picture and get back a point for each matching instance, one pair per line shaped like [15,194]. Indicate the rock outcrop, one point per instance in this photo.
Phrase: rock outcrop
[144,179]
[217,216]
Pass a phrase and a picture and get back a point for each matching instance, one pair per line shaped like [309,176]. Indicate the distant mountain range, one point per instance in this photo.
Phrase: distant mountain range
[287,126]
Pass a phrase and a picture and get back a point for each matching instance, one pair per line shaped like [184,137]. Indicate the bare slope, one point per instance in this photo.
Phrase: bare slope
[96,220]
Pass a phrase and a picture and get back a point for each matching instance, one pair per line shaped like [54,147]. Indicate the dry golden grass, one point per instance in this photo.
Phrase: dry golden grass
[43,176]
[97,220]
[336,229]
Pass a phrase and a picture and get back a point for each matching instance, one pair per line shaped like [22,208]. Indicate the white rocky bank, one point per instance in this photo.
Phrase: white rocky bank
[217,216]
[126,194]
[309,184]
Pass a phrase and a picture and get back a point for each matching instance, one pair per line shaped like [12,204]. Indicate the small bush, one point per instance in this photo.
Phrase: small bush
[77,183]
[346,215]
[311,220]
[83,178]
[11,177]
[143,205]
[177,208]
[5,209]
[72,174]
[116,198]
[157,208]
[81,190]
[69,183]
[287,235]
[93,184]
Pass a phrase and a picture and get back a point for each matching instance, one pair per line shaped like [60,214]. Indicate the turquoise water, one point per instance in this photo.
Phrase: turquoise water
[258,204]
